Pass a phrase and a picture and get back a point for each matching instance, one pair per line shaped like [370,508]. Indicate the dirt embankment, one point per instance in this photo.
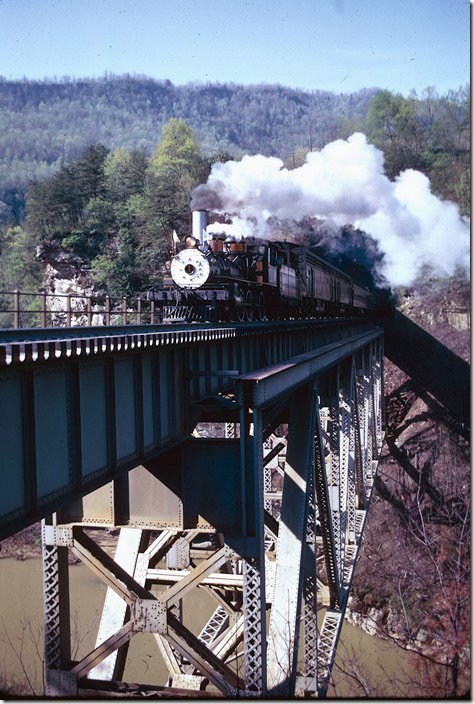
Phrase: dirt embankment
[23,545]
[412,579]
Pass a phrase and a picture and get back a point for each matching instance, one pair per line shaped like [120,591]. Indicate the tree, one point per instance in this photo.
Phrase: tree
[118,267]
[90,174]
[297,158]
[125,173]
[178,152]
[392,126]
[20,267]
[174,170]
[56,205]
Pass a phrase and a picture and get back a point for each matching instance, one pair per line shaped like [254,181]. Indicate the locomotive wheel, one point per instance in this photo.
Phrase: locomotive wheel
[249,306]
[261,306]
[240,309]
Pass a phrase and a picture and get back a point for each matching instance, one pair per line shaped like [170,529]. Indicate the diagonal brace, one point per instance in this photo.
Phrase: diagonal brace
[203,659]
[195,577]
[107,569]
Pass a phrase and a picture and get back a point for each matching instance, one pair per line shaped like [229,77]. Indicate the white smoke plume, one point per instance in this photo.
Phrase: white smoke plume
[344,184]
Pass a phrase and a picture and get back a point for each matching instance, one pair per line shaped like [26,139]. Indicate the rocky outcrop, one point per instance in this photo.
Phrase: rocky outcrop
[64,280]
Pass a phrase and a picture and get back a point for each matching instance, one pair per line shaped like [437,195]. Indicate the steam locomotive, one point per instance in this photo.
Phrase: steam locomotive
[217,277]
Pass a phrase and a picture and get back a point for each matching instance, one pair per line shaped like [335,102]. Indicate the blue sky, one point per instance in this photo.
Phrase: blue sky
[337,45]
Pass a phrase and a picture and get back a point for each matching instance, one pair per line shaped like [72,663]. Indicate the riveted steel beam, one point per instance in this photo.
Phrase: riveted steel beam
[271,383]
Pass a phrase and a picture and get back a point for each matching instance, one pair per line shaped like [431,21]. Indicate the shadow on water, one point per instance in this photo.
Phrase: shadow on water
[435,370]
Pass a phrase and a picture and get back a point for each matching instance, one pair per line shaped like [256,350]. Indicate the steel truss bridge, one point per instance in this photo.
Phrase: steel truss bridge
[98,430]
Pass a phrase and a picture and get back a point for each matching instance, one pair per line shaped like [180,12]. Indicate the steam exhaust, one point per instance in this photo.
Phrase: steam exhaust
[344,184]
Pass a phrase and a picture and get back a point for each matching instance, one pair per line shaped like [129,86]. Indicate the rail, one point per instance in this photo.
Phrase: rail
[19,309]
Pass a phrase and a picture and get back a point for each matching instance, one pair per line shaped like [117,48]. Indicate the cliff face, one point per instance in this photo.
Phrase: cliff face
[441,309]
[412,579]
[65,277]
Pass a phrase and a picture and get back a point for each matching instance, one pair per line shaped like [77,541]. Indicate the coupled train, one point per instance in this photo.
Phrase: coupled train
[215,277]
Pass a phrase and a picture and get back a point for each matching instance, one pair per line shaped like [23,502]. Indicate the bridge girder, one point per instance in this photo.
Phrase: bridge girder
[263,545]
[85,408]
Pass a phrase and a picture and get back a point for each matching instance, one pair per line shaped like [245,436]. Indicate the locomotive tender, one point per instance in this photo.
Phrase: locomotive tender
[216,277]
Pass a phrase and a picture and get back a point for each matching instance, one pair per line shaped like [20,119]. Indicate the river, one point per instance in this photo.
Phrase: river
[21,634]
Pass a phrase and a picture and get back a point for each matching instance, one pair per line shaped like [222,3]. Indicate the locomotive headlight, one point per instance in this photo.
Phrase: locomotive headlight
[190,269]
[191,242]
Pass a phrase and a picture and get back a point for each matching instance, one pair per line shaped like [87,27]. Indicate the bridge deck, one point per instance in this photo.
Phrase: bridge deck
[81,406]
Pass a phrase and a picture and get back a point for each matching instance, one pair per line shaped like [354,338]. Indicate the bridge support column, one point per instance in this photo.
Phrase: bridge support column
[310,586]
[291,546]
[254,598]
[114,611]
[360,418]
[57,651]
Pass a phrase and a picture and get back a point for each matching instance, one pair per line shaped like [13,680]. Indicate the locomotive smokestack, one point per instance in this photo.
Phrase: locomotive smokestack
[199,225]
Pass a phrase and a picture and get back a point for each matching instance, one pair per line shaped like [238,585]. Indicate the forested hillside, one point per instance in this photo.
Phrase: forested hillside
[43,123]
[46,123]
[96,174]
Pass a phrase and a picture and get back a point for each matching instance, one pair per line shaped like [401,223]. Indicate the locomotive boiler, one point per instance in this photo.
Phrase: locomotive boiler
[222,278]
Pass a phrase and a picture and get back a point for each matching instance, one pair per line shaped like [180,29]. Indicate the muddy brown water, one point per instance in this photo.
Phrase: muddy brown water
[21,633]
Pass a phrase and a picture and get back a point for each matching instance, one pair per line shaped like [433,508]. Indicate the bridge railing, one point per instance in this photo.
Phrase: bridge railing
[21,309]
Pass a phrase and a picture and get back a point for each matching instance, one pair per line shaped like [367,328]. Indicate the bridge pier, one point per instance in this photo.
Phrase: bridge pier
[222,515]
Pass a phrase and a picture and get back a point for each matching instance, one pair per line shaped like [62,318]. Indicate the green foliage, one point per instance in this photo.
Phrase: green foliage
[44,124]
[125,173]
[178,152]
[19,269]
[174,170]
[47,124]
[392,126]
[297,159]
[114,213]
[119,268]
[462,191]
[19,266]
[430,133]
[56,205]
[118,271]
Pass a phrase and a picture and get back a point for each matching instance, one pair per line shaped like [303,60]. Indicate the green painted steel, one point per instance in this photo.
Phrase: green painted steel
[212,484]
[12,478]
[77,412]
[147,391]
[163,389]
[125,432]
[214,364]
[93,417]
[52,432]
